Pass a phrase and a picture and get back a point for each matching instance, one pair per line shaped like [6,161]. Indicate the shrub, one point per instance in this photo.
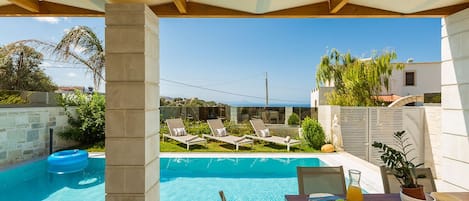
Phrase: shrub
[313,133]
[243,128]
[87,125]
[197,127]
[293,119]
[11,97]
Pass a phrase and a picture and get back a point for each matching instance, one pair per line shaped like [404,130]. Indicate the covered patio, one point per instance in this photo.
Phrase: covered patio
[132,70]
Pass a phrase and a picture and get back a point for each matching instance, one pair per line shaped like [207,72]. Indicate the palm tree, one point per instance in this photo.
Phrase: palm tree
[357,81]
[79,45]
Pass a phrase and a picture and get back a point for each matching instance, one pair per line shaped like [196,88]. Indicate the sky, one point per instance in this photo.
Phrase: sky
[225,60]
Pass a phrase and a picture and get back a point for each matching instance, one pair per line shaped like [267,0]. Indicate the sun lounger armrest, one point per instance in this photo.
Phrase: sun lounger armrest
[192,138]
[241,139]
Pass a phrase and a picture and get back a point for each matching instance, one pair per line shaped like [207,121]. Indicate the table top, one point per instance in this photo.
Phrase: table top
[452,196]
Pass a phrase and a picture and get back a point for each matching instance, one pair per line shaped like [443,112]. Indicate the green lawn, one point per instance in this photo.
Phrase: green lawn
[213,146]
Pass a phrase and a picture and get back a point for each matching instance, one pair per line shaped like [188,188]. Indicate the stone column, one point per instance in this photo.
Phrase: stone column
[455,99]
[288,113]
[132,102]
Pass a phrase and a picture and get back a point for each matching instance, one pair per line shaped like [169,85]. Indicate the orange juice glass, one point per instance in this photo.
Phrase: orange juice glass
[354,191]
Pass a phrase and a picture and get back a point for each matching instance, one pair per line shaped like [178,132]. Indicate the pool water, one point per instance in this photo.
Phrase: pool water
[32,182]
[241,179]
[182,179]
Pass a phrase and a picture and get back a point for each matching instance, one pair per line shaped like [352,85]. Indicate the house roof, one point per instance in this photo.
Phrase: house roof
[243,8]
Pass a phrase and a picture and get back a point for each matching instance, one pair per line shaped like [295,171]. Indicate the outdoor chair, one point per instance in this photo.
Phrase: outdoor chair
[178,132]
[321,180]
[262,133]
[219,133]
[392,185]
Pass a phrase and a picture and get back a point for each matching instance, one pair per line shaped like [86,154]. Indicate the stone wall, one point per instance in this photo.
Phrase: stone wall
[24,132]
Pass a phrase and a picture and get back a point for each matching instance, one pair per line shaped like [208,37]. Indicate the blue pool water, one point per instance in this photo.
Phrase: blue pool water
[182,179]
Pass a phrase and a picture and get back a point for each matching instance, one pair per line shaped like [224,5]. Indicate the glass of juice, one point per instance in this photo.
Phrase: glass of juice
[354,191]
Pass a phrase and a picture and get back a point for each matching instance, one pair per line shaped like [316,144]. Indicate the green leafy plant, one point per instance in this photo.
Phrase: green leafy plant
[87,124]
[357,82]
[397,160]
[12,97]
[313,133]
[293,119]
[197,127]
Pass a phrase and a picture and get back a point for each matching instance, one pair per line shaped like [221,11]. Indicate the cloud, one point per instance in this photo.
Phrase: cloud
[71,74]
[51,20]
[66,30]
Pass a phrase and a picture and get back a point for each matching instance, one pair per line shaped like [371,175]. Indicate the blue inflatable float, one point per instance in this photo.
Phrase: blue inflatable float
[67,161]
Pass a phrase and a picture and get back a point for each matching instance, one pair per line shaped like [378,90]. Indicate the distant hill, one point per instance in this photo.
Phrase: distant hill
[190,102]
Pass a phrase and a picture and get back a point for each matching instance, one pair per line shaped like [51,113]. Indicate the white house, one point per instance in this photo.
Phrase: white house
[414,79]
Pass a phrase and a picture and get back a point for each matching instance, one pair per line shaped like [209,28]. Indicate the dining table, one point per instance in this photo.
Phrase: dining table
[443,196]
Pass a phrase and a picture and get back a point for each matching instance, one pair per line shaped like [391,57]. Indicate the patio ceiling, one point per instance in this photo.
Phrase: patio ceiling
[244,8]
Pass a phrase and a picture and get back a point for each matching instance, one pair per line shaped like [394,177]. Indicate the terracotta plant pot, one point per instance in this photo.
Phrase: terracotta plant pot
[327,148]
[414,192]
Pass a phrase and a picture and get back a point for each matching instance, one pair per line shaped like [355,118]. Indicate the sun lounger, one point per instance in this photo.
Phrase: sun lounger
[178,132]
[219,133]
[262,133]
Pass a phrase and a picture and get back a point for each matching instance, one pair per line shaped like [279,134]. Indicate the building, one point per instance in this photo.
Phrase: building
[416,79]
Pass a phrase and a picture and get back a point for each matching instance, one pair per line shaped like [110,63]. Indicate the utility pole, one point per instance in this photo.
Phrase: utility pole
[266,90]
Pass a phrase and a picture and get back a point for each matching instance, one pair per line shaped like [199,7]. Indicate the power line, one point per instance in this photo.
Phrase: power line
[224,92]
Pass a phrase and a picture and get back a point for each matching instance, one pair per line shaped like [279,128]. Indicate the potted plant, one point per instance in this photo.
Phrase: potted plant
[398,162]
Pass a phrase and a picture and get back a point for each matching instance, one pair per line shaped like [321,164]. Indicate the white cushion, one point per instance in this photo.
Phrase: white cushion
[221,132]
[265,132]
[287,139]
[179,131]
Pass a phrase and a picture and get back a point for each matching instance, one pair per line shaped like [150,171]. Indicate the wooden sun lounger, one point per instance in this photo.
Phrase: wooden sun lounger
[215,124]
[187,139]
[258,125]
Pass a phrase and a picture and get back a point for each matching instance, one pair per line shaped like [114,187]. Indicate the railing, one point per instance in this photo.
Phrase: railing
[270,115]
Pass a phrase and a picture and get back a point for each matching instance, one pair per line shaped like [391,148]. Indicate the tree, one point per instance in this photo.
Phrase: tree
[357,82]
[19,69]
[90,51]
[79,45]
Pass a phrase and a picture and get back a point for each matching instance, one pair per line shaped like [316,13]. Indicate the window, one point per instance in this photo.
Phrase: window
[409,78]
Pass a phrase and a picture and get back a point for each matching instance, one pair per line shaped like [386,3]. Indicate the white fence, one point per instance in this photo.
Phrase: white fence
[361,126]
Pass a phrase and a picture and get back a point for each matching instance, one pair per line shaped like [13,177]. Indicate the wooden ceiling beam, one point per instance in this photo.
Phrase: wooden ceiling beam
[48,9]
[336,5]
[29,5]
[198,10]
[181,6]
[318,10]
[442,12]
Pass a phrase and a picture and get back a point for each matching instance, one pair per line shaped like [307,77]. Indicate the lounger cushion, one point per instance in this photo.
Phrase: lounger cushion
[221,132]
[179,131]
[265,132]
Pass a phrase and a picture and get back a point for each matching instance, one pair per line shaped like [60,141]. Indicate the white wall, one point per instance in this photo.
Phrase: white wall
[455,99]
[319,96]
[427,79]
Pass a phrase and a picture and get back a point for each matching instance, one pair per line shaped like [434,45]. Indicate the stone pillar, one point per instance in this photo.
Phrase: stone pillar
[455,99]
[288,113]
[132,102]
[234,114]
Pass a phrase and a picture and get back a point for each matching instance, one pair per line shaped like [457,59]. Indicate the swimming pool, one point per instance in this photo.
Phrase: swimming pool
[182,179]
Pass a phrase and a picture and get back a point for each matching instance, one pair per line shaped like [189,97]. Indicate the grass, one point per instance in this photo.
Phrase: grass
[213,146]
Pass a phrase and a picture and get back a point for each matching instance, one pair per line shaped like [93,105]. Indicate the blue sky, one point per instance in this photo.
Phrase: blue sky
[232,55]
